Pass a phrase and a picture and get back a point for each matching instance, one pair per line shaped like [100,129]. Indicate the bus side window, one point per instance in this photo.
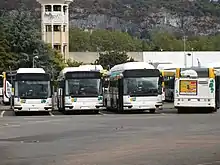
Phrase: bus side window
[61,84]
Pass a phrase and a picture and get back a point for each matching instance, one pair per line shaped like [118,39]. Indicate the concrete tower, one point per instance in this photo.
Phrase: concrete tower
[55,24]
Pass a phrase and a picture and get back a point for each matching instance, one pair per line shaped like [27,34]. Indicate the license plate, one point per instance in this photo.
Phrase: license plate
[84,107]
[143,107]
[33,109]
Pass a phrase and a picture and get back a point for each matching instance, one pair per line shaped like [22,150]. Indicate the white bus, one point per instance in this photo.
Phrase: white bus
[196,88]
[80,89]
[32,90]
[8,79]
[135,86]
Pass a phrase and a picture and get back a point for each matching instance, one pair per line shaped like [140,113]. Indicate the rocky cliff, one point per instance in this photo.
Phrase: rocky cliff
[137,17]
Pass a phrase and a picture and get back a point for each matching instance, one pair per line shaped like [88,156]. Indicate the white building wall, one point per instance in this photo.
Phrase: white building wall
[58,38]
[177,57]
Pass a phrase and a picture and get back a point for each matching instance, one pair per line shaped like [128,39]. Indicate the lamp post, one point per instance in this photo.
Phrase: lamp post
[192,56]
[184,50]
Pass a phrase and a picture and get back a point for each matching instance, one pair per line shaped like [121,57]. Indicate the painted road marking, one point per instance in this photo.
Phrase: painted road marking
[51,114]
[2,113]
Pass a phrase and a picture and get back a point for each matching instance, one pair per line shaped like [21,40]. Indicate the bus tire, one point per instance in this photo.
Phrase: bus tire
[152,110]
[105,103]
[179,110]
[16,113]
[96,111]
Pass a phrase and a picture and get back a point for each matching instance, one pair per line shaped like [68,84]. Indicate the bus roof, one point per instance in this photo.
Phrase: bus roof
[30,70]
[68,69]
[168,66]
[131,66]
[92,67]
[215,65]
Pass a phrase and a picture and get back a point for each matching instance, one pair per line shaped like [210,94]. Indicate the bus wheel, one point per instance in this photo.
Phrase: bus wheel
[96,111]
[214,110]
[180,110]
[16,113]
[105,103]
[152,110]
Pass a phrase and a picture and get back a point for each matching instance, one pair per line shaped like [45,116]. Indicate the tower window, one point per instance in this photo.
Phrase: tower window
[64,9]
[57,28]
[48,8]
[64,28]
[48,28]
[56,7]
[57,47]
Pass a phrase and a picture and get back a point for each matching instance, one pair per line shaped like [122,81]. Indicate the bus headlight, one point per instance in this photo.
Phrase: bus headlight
[17,104]
[68,101]
[22,101]
[100,98]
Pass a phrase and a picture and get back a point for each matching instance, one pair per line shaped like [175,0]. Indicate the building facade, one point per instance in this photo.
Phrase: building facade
[55,24]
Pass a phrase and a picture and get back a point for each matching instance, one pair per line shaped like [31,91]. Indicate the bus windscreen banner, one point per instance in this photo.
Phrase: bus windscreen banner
[33,77]
[141,73]
[83,75]
[188,87]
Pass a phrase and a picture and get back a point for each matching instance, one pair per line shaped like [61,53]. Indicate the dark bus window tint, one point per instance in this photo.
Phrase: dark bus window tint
[1,82]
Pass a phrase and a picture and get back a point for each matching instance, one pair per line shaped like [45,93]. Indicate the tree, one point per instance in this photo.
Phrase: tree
[104,40]
[24,41]
[6,57]
[112,58]
[73,63]
[79,40]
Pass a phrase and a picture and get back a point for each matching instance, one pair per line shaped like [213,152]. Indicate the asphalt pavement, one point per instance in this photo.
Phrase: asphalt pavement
[164,138]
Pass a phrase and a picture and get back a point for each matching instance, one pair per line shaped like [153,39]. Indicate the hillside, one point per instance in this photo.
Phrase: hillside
[137,17]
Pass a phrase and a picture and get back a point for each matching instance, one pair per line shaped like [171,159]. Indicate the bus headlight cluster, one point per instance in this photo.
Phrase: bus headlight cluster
[49,102]
[68,101]
[22,101]
[100,98]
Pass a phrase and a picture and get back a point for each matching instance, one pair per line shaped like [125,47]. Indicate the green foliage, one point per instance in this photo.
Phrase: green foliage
[162,41]
[111,58]
[79,40]
[104,40]
[7,58]
[20,42]
[73,63]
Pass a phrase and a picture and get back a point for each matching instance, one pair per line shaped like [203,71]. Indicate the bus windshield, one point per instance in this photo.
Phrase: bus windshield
[32,89]
[143,86]
[83,87]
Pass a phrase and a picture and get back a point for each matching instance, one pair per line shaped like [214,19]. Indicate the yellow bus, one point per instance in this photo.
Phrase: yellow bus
[168,85]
